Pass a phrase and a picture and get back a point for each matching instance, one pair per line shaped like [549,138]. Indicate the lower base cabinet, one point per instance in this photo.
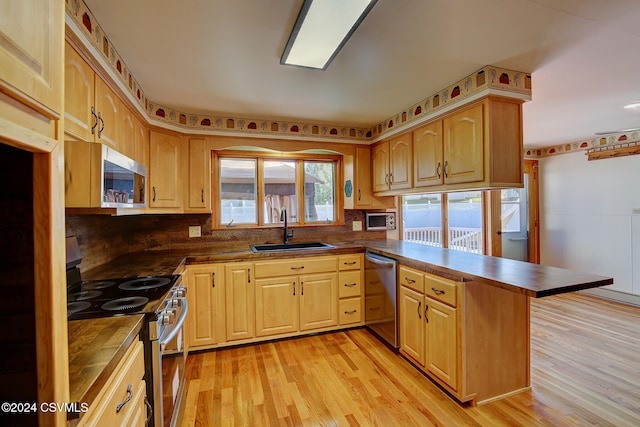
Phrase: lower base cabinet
[242,302]
[469,337]
[122,400]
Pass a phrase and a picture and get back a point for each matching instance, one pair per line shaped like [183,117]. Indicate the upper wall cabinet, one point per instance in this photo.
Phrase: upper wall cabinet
[31,72]
[198,196]
[362,197]
[165,179]
[477,146]
[392,168]
[94,113]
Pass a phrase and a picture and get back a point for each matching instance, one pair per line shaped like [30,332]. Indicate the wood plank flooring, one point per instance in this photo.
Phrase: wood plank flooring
[585,371]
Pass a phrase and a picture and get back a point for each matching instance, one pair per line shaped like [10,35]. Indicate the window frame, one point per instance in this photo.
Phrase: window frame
[260,157]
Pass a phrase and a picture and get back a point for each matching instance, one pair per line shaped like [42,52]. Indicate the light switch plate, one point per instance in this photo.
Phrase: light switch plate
[195,231]
[357,225]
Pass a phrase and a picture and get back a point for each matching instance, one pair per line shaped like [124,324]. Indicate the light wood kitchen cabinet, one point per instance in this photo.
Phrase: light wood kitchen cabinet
[205,298]
[463,138]
[240,301]
[108,108]
[126,380]
[31,59]
[362,185]
[277,305]
[79,94]
[428,156]
[412,336]
[198,196]
[281,303]
[350,287]
[318,301]
[477,146]
[128,128]
[392,164]
[165,179]
[441,330]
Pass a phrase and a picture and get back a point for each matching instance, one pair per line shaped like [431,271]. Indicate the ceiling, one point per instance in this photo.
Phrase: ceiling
[222,57]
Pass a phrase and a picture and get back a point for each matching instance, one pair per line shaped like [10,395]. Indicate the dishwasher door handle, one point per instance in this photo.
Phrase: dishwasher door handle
[379,261]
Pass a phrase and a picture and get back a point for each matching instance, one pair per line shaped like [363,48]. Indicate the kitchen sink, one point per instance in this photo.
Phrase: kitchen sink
[276,247]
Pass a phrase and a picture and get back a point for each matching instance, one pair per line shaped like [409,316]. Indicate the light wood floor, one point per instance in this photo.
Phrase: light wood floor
[585,371]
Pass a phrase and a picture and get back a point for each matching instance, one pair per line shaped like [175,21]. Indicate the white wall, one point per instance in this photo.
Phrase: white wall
[586,217]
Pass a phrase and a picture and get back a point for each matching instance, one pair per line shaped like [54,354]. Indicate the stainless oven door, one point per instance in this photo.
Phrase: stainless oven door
[169,359]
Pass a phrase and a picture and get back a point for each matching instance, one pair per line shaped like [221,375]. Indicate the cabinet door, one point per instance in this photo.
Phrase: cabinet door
[362,191]
[164,171]
[427,155]
[31,40]
[400,162]
[239,294]
[318,301]
[109,108]
[141,144]
[441,341]
[199,176]
[464,146]
[128,127]
[277,305]
[203,294]
[412,323]
[79,93]
[380,166]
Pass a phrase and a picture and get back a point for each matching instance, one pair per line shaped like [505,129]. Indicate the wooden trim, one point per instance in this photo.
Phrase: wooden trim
[24,138]
[531,168]
[613,152]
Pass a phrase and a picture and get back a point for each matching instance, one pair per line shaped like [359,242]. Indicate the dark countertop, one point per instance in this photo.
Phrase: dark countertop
[533,280]
[96,346]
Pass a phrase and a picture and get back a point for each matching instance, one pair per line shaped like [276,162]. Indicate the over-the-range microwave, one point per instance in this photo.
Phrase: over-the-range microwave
[123,180]
[380,221]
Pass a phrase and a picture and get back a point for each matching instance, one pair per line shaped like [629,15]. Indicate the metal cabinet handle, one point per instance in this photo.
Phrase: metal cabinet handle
[390,179]
[438,170]
[426,307]
[294,289]
[386,179]
[302,288]
[446,163]
[419,314]
[350,262]
[298,268]
[248,275]
[350,312]
[202,195]
[409,280]
[124,402]
[149,410]
[154,193]
[213,279]
[102,128]
[437,291]
[359,194]
[95,124]
[350,285]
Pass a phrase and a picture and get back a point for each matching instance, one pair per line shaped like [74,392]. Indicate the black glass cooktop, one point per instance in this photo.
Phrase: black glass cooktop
[103,298]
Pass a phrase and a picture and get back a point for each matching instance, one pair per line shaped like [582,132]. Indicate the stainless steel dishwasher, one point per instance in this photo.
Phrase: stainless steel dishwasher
[381,295]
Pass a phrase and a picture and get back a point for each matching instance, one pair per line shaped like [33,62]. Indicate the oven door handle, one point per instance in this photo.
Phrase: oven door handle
[166,338]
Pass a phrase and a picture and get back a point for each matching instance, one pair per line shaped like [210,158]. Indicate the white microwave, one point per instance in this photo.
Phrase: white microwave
[380,221]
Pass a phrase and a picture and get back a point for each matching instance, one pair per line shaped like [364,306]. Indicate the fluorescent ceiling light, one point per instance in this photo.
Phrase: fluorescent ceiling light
[322,28]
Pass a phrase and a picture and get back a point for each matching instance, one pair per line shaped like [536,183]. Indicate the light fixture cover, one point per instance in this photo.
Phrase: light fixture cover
[322,28]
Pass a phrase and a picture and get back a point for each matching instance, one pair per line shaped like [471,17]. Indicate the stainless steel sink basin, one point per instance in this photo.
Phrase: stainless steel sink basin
[276,247]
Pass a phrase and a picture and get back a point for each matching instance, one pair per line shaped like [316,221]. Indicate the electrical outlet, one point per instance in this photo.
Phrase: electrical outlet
[356,225]
[195,231]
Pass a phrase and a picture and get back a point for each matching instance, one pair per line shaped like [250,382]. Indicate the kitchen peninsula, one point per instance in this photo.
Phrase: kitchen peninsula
[490,306]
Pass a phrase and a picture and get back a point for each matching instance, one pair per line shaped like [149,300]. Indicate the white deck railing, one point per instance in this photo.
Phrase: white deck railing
[460,238]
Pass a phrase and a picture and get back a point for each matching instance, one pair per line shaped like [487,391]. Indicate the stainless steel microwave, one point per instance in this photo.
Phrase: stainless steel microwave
[380,220]
[123,182]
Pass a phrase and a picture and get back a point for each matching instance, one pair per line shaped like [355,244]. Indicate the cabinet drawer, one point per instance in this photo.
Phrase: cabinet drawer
[288,267]
[349,284]
[411,278]
[128,375]
[350,262]
[350,311]
[440,289]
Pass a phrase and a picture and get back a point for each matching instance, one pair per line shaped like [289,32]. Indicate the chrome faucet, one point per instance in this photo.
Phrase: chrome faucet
[287,234]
